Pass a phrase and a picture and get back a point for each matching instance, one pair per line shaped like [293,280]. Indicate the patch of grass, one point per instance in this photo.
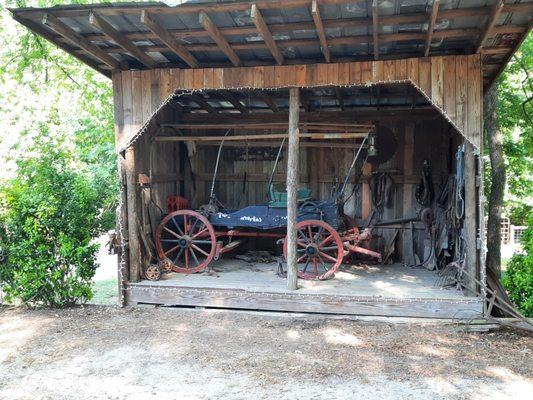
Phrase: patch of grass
[105,292]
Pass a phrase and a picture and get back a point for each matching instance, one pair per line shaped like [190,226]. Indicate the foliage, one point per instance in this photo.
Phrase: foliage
[518,278]
[64,188]
[515,114]
[49,212]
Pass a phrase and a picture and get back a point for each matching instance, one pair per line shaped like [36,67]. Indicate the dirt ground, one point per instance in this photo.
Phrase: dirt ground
[100,352]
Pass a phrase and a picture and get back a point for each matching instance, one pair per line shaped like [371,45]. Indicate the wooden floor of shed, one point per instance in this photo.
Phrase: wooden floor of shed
[392,290]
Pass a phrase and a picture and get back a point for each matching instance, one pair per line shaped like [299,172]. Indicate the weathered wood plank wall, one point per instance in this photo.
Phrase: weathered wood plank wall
[452,83]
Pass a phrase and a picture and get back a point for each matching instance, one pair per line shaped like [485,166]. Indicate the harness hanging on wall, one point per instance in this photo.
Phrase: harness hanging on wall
[425,191]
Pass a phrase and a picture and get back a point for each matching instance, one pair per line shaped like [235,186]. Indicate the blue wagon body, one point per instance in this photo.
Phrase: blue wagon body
[265,217]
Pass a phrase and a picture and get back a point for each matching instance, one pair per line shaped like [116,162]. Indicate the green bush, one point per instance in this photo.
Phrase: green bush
[518,278]
[49,213]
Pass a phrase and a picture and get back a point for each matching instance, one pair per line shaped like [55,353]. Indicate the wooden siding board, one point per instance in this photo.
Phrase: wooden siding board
[453,83]
[449,87]
[461,98]
[437,76]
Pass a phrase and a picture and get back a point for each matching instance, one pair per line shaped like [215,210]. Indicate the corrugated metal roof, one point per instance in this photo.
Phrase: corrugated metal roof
[347,25]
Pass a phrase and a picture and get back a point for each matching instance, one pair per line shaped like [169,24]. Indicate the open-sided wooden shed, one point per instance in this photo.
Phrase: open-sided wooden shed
[322,73]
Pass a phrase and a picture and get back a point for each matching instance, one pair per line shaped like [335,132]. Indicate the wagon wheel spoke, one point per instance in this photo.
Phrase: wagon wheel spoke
[306,265]
[172,232]
[191,231]
[300,243]
[202,241]
[171,249]
[326,241]
[193,254]
[328,248]
[199,250]
[318,234]
[170,240]
[300,233]
[200,233]
[328,257]
[299,260]
[177,226]
[178,256]
[310,233]
[185,229]
[315,266]
[186,259]
[323,263]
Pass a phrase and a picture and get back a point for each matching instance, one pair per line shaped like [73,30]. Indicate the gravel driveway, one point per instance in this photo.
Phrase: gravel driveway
[108,353]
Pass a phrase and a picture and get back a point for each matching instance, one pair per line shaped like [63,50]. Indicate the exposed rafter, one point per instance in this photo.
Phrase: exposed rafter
[74,37]
[375,28]
[202,103]
[491,21]
[262,27]
[218,38]
[340,99]
[431,26]
[98,22]
[229,97]
[315,11]
[166,37]
[265,98]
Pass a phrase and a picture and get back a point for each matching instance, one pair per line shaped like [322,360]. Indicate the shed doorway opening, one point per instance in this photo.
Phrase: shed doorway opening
[381,179]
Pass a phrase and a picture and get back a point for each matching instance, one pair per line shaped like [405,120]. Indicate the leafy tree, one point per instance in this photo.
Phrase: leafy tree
[49,212]
[518,279]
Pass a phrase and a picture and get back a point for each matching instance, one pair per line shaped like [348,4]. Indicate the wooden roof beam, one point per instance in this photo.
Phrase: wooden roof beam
[202,103]
[431,26]
[491,21]
[315,12]
[375,28]
[98,22]
[265,98]
[219,39]
[229,97]
[74,37]
[340,98]
[262,27]
[167,38]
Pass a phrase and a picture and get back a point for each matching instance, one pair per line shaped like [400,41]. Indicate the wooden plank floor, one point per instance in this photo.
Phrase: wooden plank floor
[387,281]
[390,291]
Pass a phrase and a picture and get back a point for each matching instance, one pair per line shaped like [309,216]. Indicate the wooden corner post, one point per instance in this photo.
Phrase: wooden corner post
[133,235]
[292,188]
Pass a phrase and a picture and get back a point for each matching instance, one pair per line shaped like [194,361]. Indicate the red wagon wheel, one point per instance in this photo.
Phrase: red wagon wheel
[320,250]
[187,240]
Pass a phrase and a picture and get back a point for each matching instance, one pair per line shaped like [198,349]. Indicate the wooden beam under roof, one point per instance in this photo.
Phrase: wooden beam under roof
[74,37]
[98,22]
[229,97]
[359,39]
[262,27]
[265,98]
[38,28]
[315,12]
[491,21]
[407,18]
[375,28]
[431,26]
[218,38]
[202,103]
[340,99]
[167,38]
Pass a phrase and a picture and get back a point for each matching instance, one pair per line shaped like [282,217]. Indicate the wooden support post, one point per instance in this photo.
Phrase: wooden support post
[375,28]
[131,197]
[292,189]
[408,208]
[122,234]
